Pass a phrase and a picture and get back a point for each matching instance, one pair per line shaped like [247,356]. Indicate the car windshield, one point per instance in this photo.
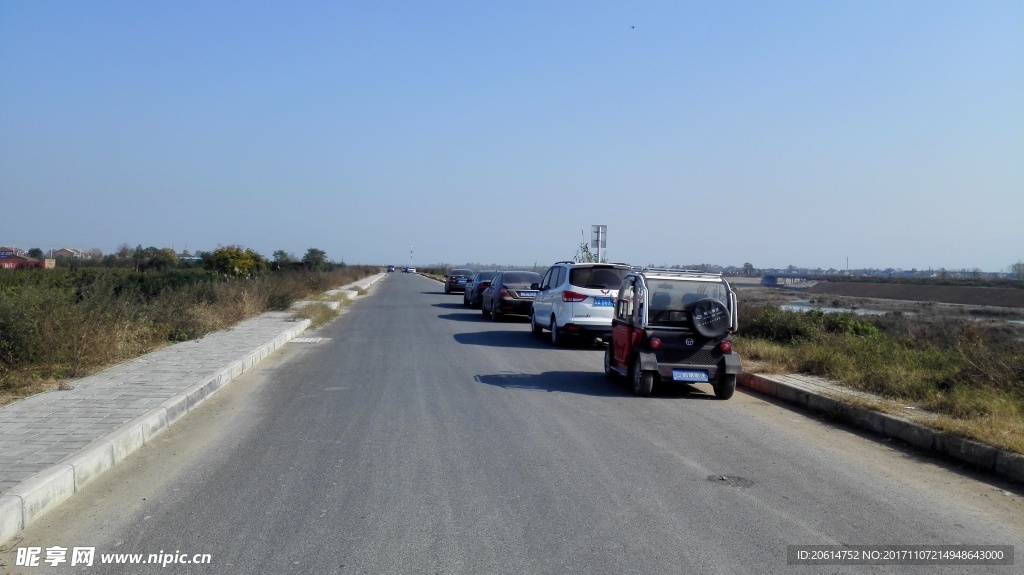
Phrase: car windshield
[597,277]
[524,278]
[671,299]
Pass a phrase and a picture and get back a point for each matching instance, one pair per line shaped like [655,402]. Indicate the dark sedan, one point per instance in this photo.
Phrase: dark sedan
[475,288]
[457,280]
[509,293]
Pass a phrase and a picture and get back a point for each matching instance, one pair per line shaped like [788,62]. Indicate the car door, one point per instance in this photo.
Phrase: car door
[487,302]
[623,322]
[542,303]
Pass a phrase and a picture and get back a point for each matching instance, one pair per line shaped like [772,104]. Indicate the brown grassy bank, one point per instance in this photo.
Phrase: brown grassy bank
[971,375]
[965,295]
[58,326]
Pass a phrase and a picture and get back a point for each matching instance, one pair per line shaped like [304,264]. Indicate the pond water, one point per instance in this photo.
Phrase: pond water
[804,305]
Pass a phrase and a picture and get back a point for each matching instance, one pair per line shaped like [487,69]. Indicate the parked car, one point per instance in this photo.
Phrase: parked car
[391,268]
[471,296]
[457,280]
[577,299]
[674,326]
[509,293]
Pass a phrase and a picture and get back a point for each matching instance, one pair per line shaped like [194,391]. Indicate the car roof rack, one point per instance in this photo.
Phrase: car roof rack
[595,263]
[674,271]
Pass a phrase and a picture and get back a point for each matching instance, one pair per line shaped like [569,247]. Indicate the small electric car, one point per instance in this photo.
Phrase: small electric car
[674,326]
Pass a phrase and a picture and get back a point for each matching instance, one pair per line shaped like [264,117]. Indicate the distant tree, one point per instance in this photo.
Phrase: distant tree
[124,251]
[161,259]
[35,253]
[315,259]
[748,268]
[282,259]
[1017,270]
[236,261]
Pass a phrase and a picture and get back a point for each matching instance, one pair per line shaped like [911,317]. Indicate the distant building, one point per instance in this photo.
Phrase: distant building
[9,260]
[69,253]
[10,250]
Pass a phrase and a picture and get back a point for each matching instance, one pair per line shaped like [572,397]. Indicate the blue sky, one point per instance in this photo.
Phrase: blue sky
[776,133]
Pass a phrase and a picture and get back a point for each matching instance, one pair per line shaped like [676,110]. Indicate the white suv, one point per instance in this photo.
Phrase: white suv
[577,299]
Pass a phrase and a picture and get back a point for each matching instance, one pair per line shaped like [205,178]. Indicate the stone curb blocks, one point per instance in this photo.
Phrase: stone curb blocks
[90,463]
[11,518]
[44,490]
[977,454]
[1005,464]
[756,383]
[916,435]
[864,418]
[1010,465]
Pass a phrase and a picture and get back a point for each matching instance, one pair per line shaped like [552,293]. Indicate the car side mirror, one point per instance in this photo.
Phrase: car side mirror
[535,286]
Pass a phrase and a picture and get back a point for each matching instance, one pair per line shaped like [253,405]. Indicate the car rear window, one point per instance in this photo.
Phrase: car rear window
[597,277]
[527,278]
[485,276]
[670,300]
[460,273]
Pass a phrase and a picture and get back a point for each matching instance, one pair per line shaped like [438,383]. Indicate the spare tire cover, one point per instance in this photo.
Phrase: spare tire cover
[709,318]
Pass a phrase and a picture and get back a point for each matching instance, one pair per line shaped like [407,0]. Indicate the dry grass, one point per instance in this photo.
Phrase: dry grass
[970,380]
[56,327]
[318,313]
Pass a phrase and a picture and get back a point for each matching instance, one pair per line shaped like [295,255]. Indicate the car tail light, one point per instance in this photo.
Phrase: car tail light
[725,347]
[572,327]
[573,296]
[481,287]
[504,293]
[654,343]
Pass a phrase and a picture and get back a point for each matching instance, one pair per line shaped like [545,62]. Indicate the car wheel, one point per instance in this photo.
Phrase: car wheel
[465,302]
[726,387]
[643,381]
[535,328]
[608,371]
[555,340]
[495,314]
[447,289]
[483,309]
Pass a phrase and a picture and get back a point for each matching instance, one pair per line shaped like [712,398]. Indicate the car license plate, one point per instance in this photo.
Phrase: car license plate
[603,302]
[527,293]
[689,375]
[462,280]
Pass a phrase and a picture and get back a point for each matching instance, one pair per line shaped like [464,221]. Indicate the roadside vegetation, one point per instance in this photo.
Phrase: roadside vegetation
[970,374]
[68,322]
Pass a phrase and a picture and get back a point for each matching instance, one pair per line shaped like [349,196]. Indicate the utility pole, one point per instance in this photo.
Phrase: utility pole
[599,238]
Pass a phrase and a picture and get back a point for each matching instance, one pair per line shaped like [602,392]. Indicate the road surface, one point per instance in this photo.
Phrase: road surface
[420,437]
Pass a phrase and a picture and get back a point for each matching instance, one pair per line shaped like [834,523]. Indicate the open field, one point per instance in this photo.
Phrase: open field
[963,363]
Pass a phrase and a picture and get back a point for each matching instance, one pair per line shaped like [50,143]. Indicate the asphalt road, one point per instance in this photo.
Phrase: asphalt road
[420,437]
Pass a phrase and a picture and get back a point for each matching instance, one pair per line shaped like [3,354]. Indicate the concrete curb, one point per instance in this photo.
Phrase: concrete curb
[33,497]
[1005,464]
[45,490]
